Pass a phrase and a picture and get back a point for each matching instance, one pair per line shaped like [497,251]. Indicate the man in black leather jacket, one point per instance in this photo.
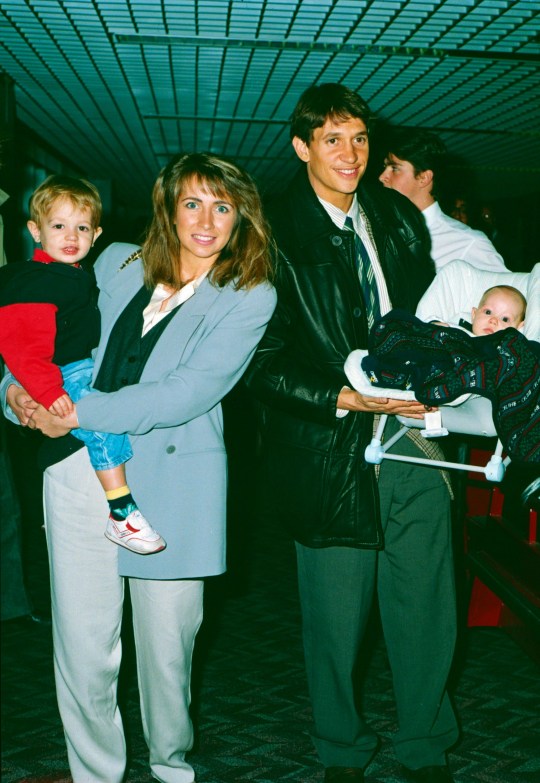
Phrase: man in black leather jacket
[349,542]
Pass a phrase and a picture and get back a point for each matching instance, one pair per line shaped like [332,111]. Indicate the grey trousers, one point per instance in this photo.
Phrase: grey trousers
[414,579]
[87,599]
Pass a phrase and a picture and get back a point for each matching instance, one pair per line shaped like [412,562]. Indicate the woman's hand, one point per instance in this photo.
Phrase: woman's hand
[20,402]
[51,425]
[351,400]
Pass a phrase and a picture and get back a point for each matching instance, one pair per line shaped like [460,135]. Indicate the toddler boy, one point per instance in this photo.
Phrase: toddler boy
[49,324]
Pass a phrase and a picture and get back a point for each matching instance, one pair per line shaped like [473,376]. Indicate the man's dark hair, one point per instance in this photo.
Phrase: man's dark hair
[423,149]
[319,102]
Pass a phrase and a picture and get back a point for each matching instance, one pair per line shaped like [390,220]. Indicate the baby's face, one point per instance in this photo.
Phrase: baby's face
[66,233]
[500,310]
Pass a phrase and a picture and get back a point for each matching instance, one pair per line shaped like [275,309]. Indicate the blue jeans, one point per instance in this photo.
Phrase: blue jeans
[106,450]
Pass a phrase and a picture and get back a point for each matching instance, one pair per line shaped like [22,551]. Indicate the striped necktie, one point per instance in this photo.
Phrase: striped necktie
[365,275]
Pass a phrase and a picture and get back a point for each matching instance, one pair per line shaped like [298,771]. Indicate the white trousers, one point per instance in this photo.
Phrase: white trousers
[86,597]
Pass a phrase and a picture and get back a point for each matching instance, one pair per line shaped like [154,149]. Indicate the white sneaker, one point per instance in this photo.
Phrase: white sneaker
[134,533]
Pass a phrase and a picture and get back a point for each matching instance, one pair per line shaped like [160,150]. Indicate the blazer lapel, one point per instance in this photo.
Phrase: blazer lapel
[178,332]
[170,347]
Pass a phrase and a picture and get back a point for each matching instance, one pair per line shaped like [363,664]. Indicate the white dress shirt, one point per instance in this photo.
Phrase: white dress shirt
[452,240]
[363,229]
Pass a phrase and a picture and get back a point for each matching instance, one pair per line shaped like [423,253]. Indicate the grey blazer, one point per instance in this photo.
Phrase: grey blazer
[178,473]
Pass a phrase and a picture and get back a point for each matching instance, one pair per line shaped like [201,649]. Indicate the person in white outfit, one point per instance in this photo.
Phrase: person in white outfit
[181,318]
[412,166]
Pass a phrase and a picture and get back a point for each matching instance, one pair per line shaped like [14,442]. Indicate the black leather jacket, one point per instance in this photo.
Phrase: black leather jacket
[314,471]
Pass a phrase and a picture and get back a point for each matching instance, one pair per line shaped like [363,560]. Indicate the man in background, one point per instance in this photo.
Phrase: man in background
[413,166]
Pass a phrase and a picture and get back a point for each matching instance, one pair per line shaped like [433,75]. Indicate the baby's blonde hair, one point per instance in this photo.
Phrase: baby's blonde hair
[80,192]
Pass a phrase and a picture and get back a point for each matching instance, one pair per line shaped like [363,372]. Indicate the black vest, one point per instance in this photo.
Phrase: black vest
[127,350]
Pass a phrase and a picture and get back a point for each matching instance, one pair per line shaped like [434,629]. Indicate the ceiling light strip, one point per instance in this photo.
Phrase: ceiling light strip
[271,121]
[134,39]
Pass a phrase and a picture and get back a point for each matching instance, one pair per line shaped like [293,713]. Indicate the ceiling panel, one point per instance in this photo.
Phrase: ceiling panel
[118,86]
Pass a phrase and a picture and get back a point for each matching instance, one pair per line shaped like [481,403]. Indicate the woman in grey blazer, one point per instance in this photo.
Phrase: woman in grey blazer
[180,321]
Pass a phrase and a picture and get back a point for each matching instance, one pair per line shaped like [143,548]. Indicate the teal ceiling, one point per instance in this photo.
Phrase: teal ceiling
[118,86]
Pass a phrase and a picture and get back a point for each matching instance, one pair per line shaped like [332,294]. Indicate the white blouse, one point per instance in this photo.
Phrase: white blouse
[153,312]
